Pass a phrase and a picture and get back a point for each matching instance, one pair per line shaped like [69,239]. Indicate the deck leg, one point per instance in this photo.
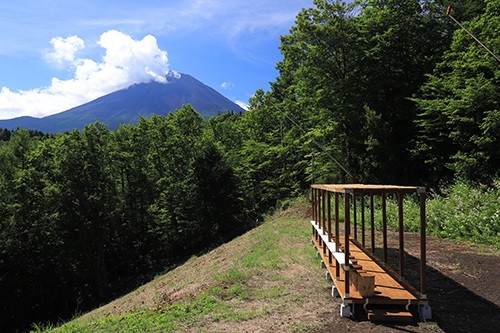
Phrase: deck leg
[327,275]
[425,312]
[345,310]
[367,300]
[335,292]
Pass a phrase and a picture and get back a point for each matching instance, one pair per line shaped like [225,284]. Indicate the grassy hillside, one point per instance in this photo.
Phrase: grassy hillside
[269,279]
[264,280]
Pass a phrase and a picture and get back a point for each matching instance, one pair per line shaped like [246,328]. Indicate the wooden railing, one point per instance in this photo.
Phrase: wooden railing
[357,200]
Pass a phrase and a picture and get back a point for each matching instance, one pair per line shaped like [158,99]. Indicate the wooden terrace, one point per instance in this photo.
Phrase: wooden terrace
[359,276]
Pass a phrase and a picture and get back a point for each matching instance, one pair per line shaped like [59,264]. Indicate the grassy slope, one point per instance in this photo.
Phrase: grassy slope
[265,280]
[268,279]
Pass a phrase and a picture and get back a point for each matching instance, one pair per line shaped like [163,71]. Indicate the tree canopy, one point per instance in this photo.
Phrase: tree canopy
[85,215]
[347,75]
[459,117]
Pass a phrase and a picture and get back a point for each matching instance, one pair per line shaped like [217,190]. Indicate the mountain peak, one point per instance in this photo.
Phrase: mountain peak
[128,105]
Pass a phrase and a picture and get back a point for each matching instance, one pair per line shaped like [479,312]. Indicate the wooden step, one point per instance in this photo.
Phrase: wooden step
[389,315]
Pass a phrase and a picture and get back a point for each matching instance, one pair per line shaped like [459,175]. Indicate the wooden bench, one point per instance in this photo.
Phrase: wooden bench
[362,281]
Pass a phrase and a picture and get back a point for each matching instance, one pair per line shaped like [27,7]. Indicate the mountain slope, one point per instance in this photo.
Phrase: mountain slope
[128,105]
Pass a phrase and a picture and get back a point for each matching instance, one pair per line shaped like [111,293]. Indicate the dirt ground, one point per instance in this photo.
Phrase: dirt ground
[463,287]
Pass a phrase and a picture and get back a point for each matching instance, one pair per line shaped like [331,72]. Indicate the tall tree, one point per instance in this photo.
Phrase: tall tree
[317,59]
[460,117]
[401,42]
[29,242]
[347,75]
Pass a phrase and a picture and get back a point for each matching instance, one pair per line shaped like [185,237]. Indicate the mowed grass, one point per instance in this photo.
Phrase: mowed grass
[264,280]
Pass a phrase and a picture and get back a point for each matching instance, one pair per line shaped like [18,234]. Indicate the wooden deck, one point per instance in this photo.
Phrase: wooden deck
[388,290]
[359,276]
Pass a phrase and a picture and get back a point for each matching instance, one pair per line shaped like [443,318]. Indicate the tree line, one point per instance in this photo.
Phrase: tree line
[385,91]
[86,215]
[392,89]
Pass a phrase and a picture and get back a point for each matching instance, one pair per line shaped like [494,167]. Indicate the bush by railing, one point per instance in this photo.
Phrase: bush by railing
[461,211]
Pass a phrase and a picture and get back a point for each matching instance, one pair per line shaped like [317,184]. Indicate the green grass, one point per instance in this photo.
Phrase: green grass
[161,320]
[253,279]
[245,282]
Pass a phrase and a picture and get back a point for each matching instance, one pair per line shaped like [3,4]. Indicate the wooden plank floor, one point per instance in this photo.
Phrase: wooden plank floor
[387,289]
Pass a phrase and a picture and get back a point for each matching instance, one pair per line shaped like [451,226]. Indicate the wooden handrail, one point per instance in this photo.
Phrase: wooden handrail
[322,214]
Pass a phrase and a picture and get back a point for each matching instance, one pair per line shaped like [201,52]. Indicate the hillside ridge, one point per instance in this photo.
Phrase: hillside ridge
[252,280]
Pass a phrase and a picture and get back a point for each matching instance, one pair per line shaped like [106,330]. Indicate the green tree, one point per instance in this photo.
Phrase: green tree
[401,42]
[459,119]
[88,214]
[87,200]
[196,196]
[136,190]
[28,237]
[347,74]
[317,59]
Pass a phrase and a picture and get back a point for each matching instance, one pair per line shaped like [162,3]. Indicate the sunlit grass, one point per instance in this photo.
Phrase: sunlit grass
[249,279]
[466,213]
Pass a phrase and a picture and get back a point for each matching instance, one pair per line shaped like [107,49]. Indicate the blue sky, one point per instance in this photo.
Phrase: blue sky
[57,54]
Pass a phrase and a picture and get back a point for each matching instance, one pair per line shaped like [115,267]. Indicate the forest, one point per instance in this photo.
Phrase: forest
[384,91]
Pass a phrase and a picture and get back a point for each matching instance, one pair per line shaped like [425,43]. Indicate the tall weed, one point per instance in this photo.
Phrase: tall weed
[466,212]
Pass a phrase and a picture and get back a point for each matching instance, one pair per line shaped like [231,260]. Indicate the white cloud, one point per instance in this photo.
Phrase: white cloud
[227,85]
[64,49]
[233,18]
[126,61]
[30,22]
[243,105]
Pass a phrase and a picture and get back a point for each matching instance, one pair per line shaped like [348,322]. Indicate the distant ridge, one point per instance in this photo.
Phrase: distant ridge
[128,105]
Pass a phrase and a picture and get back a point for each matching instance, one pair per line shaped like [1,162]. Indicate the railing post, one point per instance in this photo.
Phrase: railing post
[354,217]
[347,229]
[320,240]
[313,203]
[372,222]
[323,215]
[363,219]
[423,265]
[329,207]
[384,225]
[323,209]
[312,211]
[337,232]
[401,235]
[315,211]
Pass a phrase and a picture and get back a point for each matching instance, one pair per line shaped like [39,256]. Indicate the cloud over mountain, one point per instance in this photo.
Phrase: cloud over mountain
[64,49]
[125,62]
